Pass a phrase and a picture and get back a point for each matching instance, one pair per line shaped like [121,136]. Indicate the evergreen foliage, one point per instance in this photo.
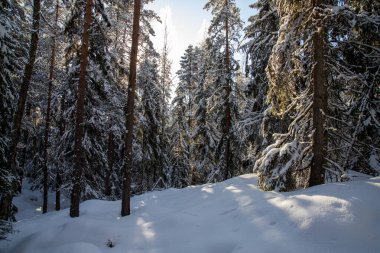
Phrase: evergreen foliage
[224,34]
[12,58]
[305,109]
[351,73]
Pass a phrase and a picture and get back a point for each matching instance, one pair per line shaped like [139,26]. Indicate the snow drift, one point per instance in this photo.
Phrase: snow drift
[232,216]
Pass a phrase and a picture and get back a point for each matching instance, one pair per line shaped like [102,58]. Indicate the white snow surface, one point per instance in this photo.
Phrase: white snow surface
[232,216]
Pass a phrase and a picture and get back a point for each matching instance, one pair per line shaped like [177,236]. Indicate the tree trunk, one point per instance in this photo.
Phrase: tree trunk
[58,179]
[48,111]
[23,156]
[129,111]
[6,199]
[58,183]
[28,71]
[317,173]
[25,138]
[227,127]
[107,184]
[79,128]
[189,118]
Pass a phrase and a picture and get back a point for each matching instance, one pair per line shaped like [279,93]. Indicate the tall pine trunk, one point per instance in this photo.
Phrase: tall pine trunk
[129,111]
[58,179]
[23,94]
[6,199]
[110,155]
[58,182]
[48,112]
[227,127]
[79,128]
[317,173]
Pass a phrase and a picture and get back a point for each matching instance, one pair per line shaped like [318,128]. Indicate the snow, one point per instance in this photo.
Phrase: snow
[232,216]
[374,161]
[29,203]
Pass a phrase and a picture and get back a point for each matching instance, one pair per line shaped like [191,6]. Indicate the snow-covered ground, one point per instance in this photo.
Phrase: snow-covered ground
[232,216]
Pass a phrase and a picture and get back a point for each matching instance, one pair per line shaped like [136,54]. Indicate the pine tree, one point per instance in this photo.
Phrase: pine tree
[166,83]
[48,111]
[204,134]
[257,122]
[23,93]
[183,114]
[126,193]
[320,51]
[353,65]
[224,32]
[78,149]
[12,56]
[150,114]
[166,66]
[103,101]
[298,61]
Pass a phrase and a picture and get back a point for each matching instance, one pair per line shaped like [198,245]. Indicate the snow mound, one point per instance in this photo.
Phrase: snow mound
[232,216]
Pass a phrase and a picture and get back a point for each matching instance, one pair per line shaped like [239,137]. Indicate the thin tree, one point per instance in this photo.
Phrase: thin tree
[227,126]
[317,174]
[110,158]
[129,112]
[78,148]
[28,71]
[48,111]
[166,64]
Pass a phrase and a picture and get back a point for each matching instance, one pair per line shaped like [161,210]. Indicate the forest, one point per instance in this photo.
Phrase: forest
[91,109]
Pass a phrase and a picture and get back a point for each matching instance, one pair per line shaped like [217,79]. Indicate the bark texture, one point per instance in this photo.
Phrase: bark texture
[79,128]
[227,127]
[317,173]
[6,199]
[110,156]
[129,111]
[48,112]
[23,94]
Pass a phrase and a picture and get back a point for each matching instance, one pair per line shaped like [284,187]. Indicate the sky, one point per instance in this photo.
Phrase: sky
[187,23]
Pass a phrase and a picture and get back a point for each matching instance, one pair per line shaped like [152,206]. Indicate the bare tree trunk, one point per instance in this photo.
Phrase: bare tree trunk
[6,199]
[110,155]
[58,183]
[227,127]
[129,111]
[317,174]
[48,111]
[189,118]
[23,156]
[28,71]
[79,128]
[143,180]
[58,179]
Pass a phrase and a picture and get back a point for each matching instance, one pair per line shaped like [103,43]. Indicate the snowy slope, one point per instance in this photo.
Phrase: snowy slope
[233,216]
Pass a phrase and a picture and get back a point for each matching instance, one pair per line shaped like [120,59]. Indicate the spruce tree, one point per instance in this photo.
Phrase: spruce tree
[257,121]
[78,149]
[150,114]
[184,118]
[224,35]
[353,66]
[320,51]
[129,112]
[298,61]
[12,55]
[204,133]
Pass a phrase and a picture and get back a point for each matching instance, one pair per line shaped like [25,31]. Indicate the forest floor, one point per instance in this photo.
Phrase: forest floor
[232,216]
